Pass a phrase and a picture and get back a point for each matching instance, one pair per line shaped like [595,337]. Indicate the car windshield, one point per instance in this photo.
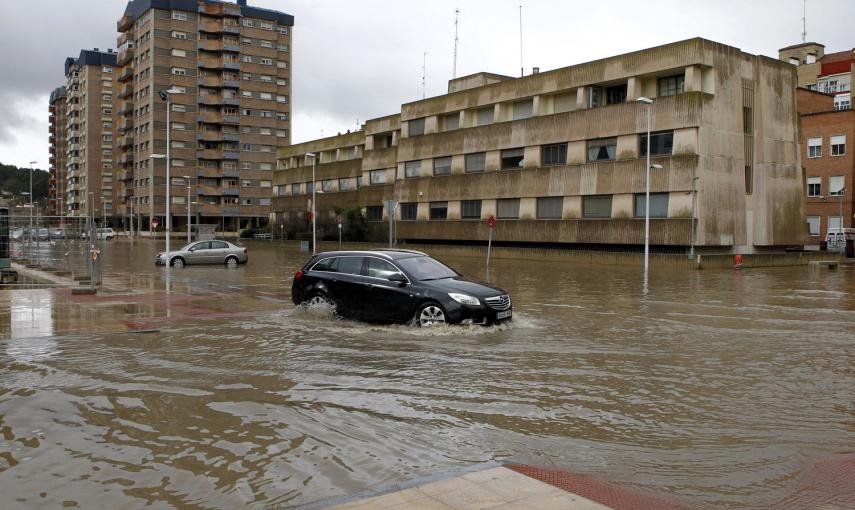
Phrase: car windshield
[426,268]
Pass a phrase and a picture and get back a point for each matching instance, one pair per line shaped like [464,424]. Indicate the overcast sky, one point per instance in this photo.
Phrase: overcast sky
[355,60]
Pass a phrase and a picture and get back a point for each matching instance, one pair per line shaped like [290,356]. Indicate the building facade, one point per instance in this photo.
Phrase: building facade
[91,133]
[230,66]
[560,156]
[58,146]
[830,73]
[829,167]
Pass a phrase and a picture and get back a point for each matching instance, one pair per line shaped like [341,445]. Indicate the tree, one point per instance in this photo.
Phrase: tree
[15,181]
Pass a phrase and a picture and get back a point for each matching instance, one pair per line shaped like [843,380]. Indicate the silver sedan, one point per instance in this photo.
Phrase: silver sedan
[205,252]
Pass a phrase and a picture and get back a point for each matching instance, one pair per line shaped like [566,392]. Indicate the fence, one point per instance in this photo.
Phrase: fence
[64,246]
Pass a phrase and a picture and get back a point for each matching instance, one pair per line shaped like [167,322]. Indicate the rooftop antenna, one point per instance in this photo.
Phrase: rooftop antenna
[521,44]
[424,72]
[456,16]
[804,21]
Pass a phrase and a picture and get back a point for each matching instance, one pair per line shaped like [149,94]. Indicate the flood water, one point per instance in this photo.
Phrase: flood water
[718,389]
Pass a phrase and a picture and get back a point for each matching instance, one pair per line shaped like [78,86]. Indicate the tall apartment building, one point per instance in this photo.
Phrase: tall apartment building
[58,145]
[230,64]
[827,122]
[91,133]
[560,157]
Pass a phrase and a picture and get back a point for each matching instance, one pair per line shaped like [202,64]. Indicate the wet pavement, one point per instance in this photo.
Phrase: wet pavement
[720,389]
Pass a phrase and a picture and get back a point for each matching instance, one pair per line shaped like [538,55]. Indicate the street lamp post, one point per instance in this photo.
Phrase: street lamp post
[31,198]
[166,220]
[692,248]
[649,103]
[166,95]
[314,194]
[842,236]
[187,178]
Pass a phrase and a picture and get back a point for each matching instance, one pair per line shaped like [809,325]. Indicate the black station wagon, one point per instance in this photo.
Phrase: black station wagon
[397,286]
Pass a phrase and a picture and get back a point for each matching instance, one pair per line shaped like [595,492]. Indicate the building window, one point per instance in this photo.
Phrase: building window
[833,223]
[265,95]
[838,145]
[412,169]
[485,115]
[597,206]
[671,85]
[416,127]
[813,225]
[295,189]
[814,186]
[377,177]
[178,52]
[470,209]
[180,16]
[374,213]
[549,208]
[475,162]
[749,180]
[658,205]
[512,158]
[747,120]
[554,154]
[266,61]
[508,208]
[843,101]
[326,185]
[814,147]
[835,185]
[179,108]
[107,69]
[451,121]
[178,35]
[661,144]
[616,94]
[602,150]
[409,211]
[179,71]
[442,166]
[438,210]
[358,181]
[523,109]
[178,200]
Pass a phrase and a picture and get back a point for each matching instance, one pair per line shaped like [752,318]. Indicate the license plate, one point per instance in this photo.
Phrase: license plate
[503,315]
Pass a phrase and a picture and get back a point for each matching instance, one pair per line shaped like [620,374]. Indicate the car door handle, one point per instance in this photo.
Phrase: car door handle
[370,285]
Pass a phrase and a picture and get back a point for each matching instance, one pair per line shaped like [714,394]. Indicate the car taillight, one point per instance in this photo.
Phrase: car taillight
[244,251]
[298,276]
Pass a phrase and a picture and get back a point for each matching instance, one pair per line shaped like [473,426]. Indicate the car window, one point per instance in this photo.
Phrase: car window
[218,245]
[426,268]
[323,264]
[348,265]
[380,268]
[204,245]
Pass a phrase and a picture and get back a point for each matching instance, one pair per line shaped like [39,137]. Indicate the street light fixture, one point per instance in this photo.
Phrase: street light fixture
[166,95]
[166,220]
[648,166]
[314,194]
[31,196]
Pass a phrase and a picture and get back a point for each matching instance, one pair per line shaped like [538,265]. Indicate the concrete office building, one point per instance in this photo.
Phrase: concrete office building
[91,133]
[559,156]
[58,145]
[230,64]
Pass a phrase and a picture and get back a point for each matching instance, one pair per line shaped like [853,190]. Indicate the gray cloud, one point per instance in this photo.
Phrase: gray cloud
[362,59]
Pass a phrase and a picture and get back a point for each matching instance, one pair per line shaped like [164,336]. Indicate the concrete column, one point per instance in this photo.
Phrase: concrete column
[462,121]
[577,152]
[497,112]
[633,89]
[458,164]
[581,98]
[694,79]
[395,136]
[405,129]
[536,105]
[369,142]
[572,207]
[454,210]
[531,156]
[492,161]
[528,208]
[431,124]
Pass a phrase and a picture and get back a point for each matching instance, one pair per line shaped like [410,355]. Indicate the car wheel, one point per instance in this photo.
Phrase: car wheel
[318,299]
[429,314]
[231,261]
[178,262]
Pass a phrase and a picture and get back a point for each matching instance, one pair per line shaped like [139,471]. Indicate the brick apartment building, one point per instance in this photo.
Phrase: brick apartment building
[828,124]
[58,145]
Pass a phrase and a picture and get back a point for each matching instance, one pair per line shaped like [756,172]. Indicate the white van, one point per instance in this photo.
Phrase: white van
[835,238]
[105,233]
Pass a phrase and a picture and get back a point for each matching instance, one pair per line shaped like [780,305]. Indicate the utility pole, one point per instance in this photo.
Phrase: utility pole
[456,18]
[424,73]
[804,21]
[521,45]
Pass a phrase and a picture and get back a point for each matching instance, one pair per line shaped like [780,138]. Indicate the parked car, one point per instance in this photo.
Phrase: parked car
[58,233]
[105,233]
[41,234]
[17,234]
[397,286]
[205,252]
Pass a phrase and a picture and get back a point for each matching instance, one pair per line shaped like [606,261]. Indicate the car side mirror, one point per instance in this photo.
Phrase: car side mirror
[399,278]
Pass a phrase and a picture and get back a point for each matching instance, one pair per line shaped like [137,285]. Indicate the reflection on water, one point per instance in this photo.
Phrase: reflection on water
[717,388]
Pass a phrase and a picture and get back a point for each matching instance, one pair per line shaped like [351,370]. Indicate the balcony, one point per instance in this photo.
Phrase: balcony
[52,138]
[211,82]
[211,99]
[231,83]
[211,173]
[126,141]
[231,191]
[125,55]
[231,65]
[230,211]
[231,119]
[231,47]
[227,154]
[211,9]
[211,118]
[231,101]
[209,45]
[231,137]
[211,63]
[125,108]
[231,172]
[211,27]
[209,154]
[210,136]
[231,10]
[124,23]
[52,129]
[126,75]
[126,158]
[209,191]
[126,124]
[126,91]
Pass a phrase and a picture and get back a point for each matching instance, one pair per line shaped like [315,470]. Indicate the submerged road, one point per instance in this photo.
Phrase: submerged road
[720,389]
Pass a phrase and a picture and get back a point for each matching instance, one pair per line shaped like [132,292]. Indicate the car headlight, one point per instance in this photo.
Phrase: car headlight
[464,299]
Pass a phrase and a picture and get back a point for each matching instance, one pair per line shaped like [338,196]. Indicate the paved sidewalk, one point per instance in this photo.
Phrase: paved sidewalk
[494,489]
